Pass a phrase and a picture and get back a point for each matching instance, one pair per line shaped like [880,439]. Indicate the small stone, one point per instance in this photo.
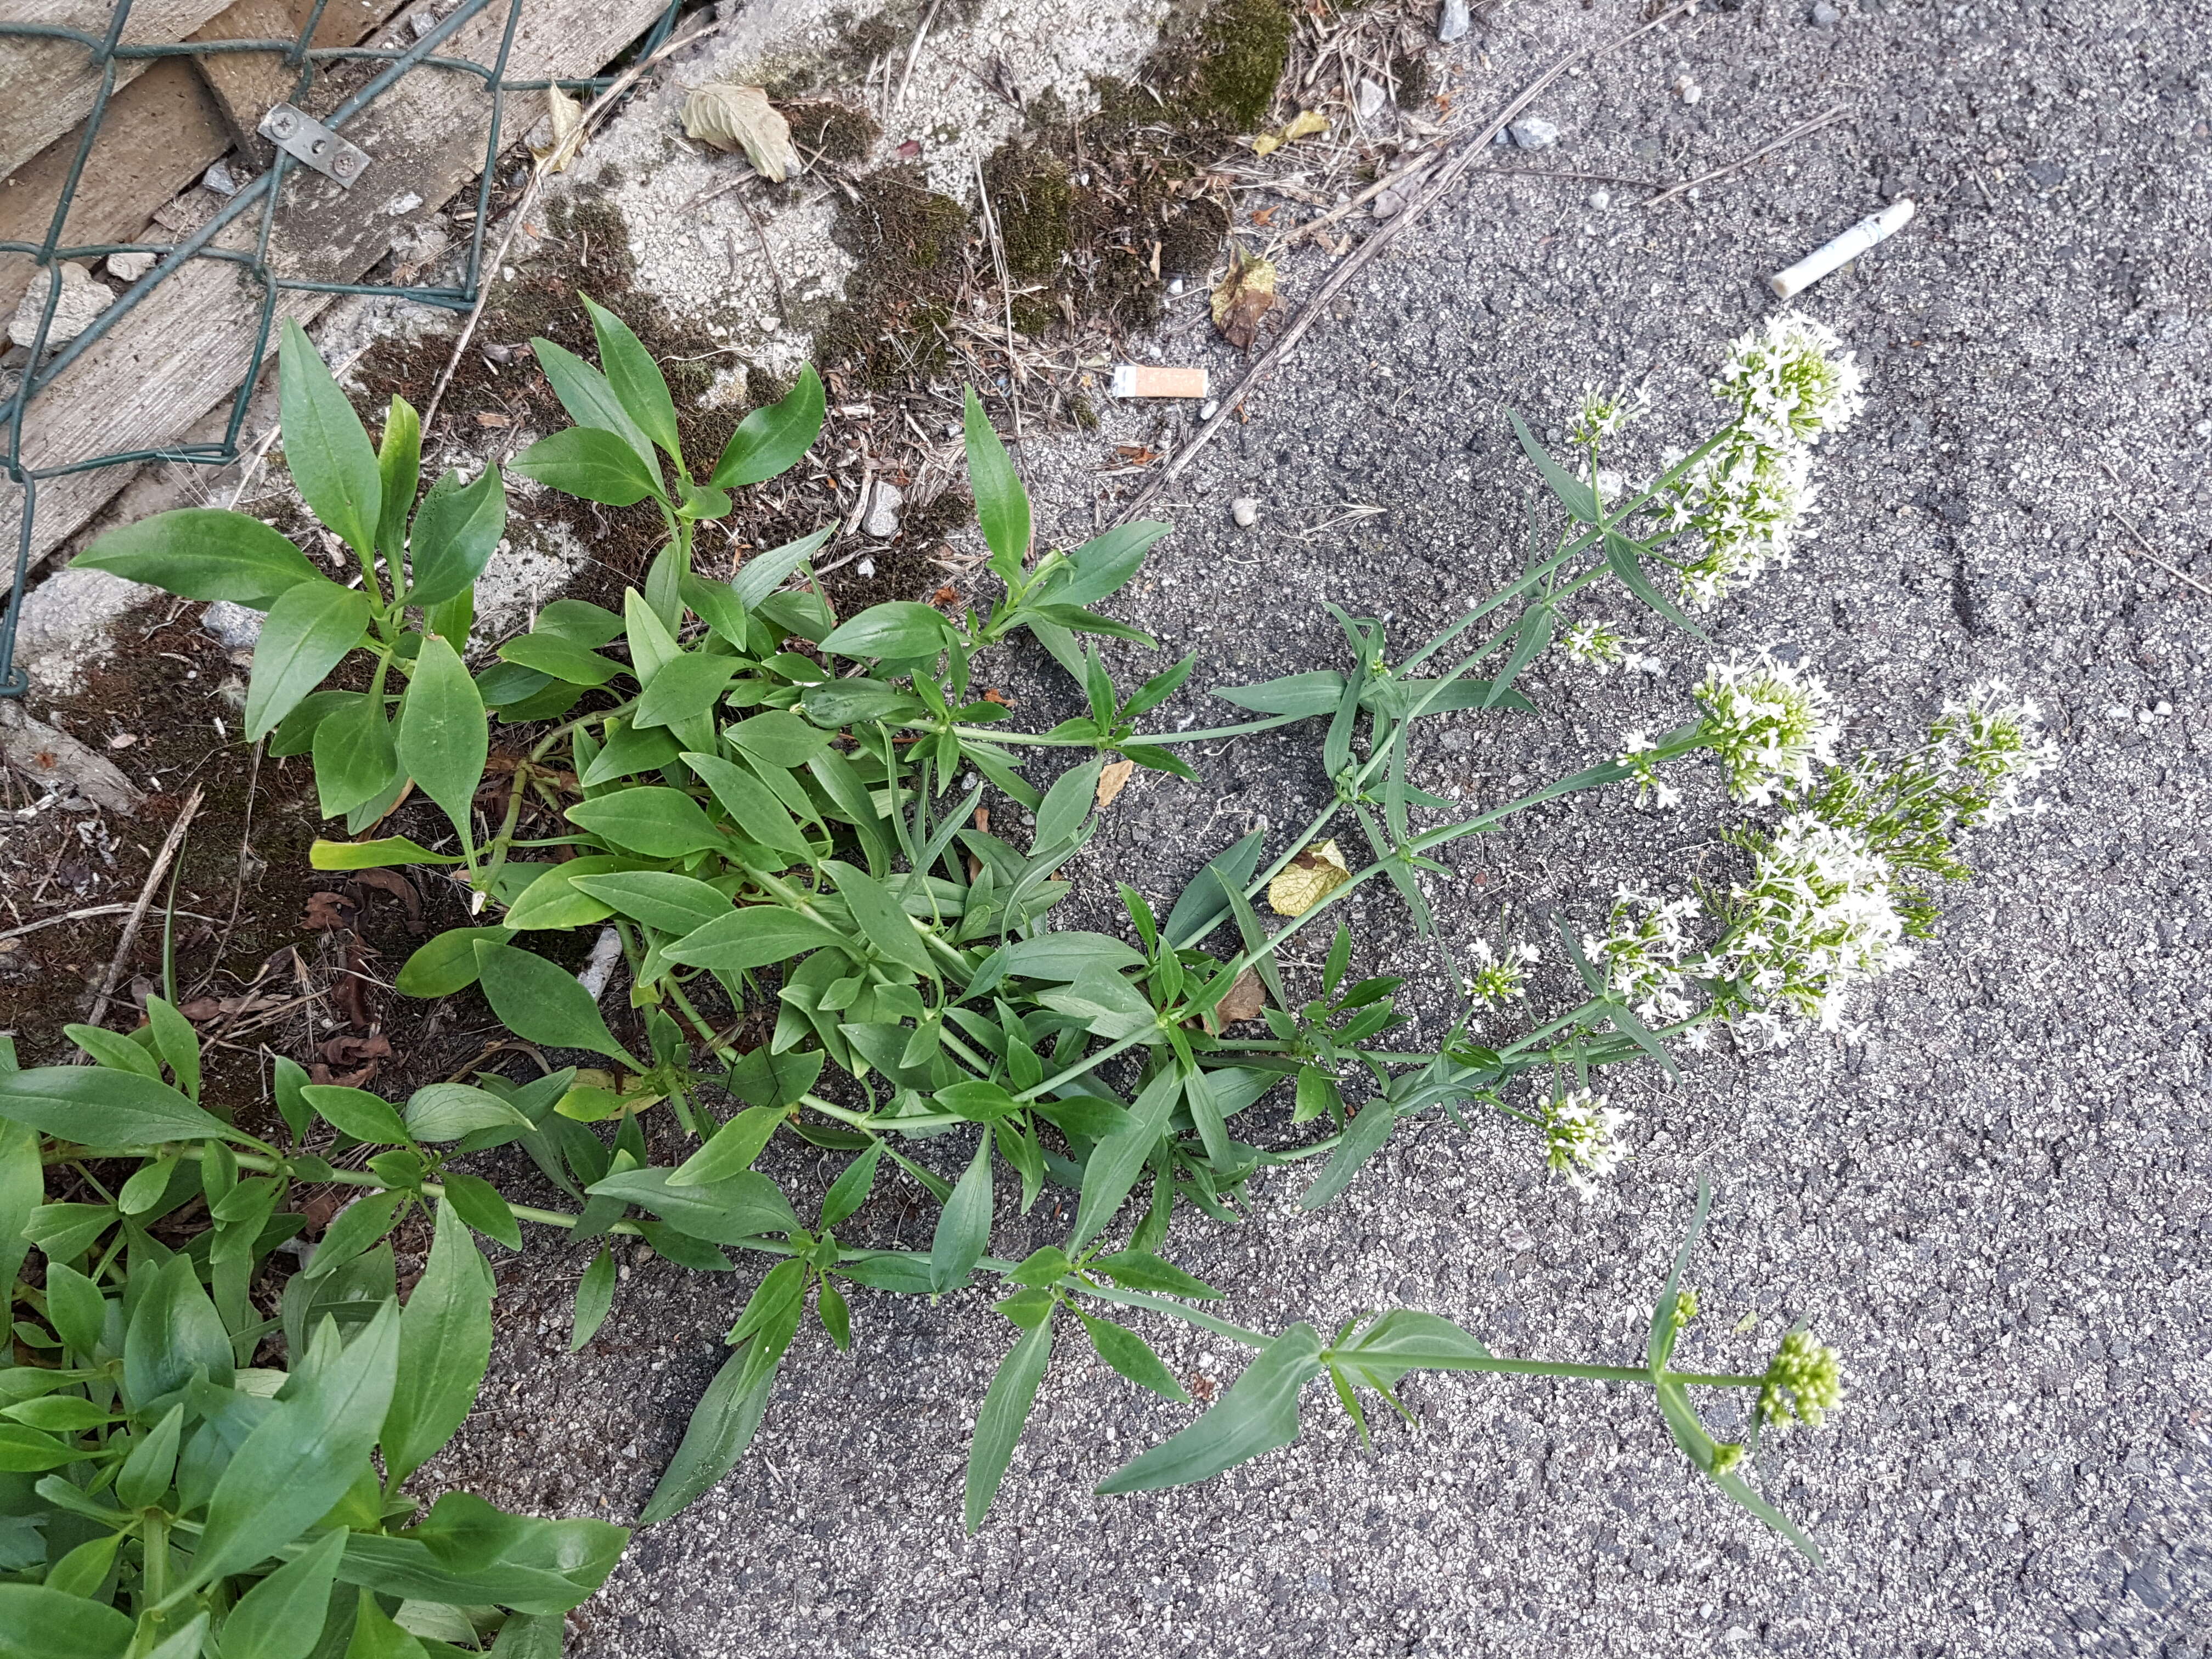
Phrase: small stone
[866,568]
[1517,1238]
[1826,15]
[81,300]
[882,521]
[1245,510]
[1533,133]
[1368,97]
[2047,175]
[218,178]
[1601,199]
[1175,287]
[399,205]
[1693,94]
[1453,20]
[231,624]
[130,267]
[1206,412]
[1388,204]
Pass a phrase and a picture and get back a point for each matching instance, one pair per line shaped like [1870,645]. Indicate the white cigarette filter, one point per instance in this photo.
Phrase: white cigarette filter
[1845,249]
[1158,380]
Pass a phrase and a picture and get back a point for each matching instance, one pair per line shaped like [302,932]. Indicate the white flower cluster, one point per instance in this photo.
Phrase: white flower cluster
[1991,734]
[1743,504]
[1581,1139]
[1597,647]
[1643,952]
[1604,413]
[1820,914]
[1497,975]
[1770,724]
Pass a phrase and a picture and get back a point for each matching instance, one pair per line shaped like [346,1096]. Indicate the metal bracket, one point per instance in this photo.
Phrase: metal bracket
[298,134]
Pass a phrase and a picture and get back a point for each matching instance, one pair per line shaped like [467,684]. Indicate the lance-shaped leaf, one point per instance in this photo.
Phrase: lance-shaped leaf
[1117,1161]
[98,1106]
[1005,1411]
[1625,559]
[309,630]
[634,378]
[770,440]
[1361,1142]
[722,1426]
[964,1226]
[1259,1414]
[443,738]
[1576,494]
[540,1002]
[202,553]
[1664,1325]
[326,446]
[1002,506]
[444,1343]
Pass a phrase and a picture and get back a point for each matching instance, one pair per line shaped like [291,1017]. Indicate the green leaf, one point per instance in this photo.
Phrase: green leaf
[733,1148]
[592,465]
[478,1202]
[659,898]
[177,1042]
[95,1106]
[448,963]
[771,439]
[595,1300]
[1361,1142]
[326,449]
[202,553]
[1576,494]
[358,1113]
[563,657]
[999,1425]
[656,820]
[1406,1339]
[726,1212]
[377,1635]
[1068,804]
[1625,557]
[978,1100]
[964,1226]
[588,624]
[281,1617]
[635,378]
[745,798]
[1140,1270]
[443,739]
[1205,901]
[74,1307]
[174,1329]
[722,1426]
[359,1228]
[765,571]
[1664,1327]
[85,1569]
[1259,1414]
[752,936]
[851,1188]
[356,759]
[1002,506]
[400,470]
[898,628]
[22,1184]
[457,530]
[593,403]
[441,1112]
[778,739]
[1104,565]
[1131,1355]
[684,690]
[540,1002]
[305,1454]
[1067,957]
[880,916]
[380,854]
[152,1464]
[37,1622]
[311,628]
[1118,1160]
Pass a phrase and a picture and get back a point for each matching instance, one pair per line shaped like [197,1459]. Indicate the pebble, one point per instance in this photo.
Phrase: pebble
[402,203]
[1601,199]
[81,300]
[1693,93]
[1826,15]
[1455,21]
[1245,510]
[882,521]
[1175,287]
[130,267]
[231,624]
[1206,412]
[1368,97]
[218,178]
[866,568]
[1533,133]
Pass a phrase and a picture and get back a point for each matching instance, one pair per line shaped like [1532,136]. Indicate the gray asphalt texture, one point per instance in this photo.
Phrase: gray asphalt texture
[1994,1206]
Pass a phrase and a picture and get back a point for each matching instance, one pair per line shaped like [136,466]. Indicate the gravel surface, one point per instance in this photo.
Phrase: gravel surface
[1994,1205]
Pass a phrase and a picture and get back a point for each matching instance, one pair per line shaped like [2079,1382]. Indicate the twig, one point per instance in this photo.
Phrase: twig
[237,880]
[90,914]
[2141,550]
[599,107]
[1824,119]
[1439,184]
[914,52]
[1016,370]
[1423,159]
[767,258]
[145,898]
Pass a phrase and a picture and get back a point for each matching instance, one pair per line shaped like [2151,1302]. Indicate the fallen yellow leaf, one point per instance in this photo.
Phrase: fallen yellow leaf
[1112,780]
[741,118]
[568,116]
[1308,879]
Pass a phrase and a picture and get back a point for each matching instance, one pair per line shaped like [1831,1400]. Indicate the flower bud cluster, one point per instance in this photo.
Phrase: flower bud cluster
[1743,505]
[1597,647]
[1643,953]
[1989,735]
[1497,977]
[1770,724]
[1602,413]
[1804,1381]
[1580,1138]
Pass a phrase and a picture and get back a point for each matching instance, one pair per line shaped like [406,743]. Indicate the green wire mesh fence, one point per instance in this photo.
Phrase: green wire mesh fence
[260,195]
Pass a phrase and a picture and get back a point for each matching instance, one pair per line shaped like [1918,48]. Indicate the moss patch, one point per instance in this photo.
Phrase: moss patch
[910,246]
[838,132]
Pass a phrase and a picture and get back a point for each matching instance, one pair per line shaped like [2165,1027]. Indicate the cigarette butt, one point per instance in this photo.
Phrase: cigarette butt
[1156,380]
[1845,248]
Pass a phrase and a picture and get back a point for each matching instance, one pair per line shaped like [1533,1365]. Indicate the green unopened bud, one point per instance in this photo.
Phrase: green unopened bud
[1726,1456]
[1686,1306]
[1803,1381]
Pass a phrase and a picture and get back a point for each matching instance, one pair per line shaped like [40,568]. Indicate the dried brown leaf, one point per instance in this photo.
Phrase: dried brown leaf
[1247,999]
[1113,780]
[741,118]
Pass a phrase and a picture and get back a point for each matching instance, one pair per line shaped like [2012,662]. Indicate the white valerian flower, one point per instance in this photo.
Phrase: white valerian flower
[1769,723]
[1636,749]
[1793,379]
[1602,413]
[1819,913]
[1642,953]
[1581,1139]
[1741,507]
[1595,645]
[1991,734]
[1498,975]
